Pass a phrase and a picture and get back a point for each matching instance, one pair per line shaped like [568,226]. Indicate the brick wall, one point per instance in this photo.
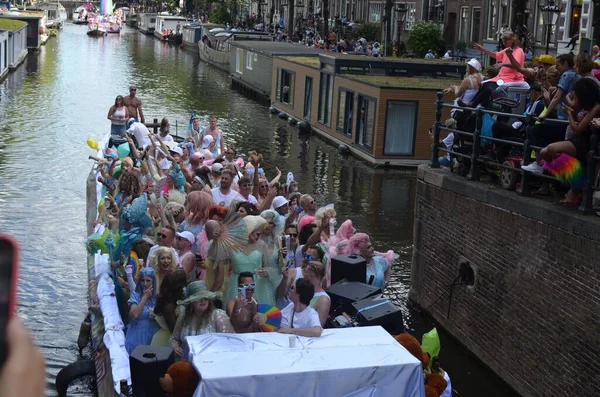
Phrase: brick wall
[534,314]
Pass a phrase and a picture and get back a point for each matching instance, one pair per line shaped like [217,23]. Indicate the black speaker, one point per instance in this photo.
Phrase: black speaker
[379,310]
[148,364]
[344,293]
[349,267]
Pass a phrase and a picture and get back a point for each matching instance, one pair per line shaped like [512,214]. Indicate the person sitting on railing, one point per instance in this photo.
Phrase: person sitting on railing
[466,91]
[548,132]
[586,98]
[507,75]
[448,142]
[515,130]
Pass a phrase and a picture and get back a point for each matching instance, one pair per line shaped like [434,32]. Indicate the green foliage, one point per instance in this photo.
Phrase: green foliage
[221,16]
[461,46]
[370,31]
[425,36]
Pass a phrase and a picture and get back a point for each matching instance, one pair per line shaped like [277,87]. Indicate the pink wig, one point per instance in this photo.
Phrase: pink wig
[346,230]
[358,242]
[305,221]
[199,203]
[202,242]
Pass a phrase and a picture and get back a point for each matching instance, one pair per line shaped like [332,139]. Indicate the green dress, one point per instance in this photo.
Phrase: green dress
[241,262]
[266,286]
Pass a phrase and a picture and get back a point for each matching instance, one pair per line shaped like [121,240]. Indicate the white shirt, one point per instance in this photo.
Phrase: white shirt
[448,142]
[154,247]
[225,199]
[251,199]
[140,132]
[307,318]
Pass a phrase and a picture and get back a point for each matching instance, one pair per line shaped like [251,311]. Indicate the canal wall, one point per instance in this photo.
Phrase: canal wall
[533,312]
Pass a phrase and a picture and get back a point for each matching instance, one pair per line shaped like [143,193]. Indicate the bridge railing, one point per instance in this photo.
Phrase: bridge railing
[476,159]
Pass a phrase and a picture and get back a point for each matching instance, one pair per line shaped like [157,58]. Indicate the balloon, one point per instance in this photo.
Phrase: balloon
[92,143]
[123,150]
[430,343]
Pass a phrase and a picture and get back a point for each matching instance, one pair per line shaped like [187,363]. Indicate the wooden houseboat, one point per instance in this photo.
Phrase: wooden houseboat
[379,108]
[15,47]
[251,63]
[214,48]
[36,24]
[193,32]
[3,53]
[166,23]
[146,22]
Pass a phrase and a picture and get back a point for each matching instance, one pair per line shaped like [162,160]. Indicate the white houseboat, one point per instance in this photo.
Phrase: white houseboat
[166,23]
[146,22]
[214,47]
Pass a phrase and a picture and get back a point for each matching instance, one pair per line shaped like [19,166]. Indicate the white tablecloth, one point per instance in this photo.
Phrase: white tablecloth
[356,362]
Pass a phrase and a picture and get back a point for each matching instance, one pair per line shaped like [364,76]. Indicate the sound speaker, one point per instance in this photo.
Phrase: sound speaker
[344,293]
[378,310]
[349,267]
[148,364]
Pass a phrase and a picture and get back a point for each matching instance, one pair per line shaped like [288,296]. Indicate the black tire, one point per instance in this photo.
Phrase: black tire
[73,371]
[508,178]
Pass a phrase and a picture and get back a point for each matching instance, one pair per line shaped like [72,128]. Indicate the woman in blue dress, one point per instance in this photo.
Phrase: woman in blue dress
[142,326]
[266,286]
[378,264]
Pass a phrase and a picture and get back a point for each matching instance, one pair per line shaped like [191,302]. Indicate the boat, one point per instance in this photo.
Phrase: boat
[82,14]
[214,47]
[146,23]
[55,12]
[193,32]
[172,37]
[169,25]
[96,30]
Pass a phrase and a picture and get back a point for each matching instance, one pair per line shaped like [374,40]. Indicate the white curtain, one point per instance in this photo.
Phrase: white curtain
[400,128]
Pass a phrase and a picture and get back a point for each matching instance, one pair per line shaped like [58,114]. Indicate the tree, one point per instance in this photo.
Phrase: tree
[425,36]
[370,31]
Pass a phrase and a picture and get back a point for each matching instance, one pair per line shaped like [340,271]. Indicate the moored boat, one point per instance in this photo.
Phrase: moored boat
[193,32]
[146,23]
[214,47]
[169,25]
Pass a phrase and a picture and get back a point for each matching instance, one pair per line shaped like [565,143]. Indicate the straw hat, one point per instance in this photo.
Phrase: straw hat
[197,291]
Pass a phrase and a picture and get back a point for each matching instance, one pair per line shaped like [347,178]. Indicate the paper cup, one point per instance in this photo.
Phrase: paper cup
[292,341]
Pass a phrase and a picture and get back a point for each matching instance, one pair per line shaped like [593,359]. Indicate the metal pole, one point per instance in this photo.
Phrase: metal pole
[435,162]
[548,28]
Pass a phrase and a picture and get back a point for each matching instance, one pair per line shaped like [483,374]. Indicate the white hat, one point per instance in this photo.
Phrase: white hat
[187,235]
[475,64]
[279,201]
[208,139]
[177,150]
[217,167]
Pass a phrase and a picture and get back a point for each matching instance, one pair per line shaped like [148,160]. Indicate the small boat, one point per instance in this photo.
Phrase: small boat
[96,32]
[81,15]
[172,37]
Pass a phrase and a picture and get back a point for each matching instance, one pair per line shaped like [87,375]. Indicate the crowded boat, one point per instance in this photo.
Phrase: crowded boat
[199,240]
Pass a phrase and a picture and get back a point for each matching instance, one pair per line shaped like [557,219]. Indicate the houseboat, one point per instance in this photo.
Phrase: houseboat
[380,109]
[55,13]
[168,27]
[3,53]
[16,45]
[146,23]
[36,25]
[193,32]
[214,47]
[251,64]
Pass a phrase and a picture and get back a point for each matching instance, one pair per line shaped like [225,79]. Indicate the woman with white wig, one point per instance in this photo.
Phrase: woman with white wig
[267,285]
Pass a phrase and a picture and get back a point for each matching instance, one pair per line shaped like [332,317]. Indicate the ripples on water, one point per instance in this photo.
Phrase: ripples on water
[61,95]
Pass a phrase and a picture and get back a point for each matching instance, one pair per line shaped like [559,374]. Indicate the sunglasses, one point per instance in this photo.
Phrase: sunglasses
[293,235]
[309,257]
[162,235]
[252,285]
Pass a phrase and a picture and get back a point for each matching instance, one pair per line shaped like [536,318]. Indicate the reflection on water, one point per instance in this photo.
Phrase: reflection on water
[61,96]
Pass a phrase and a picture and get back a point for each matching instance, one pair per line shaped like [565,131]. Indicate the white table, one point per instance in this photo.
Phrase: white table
[351,362]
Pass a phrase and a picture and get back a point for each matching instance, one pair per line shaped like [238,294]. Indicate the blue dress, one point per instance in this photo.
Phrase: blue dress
[377,267]
[141,329]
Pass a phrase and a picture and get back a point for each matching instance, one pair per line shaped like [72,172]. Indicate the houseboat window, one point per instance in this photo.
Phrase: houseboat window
[307,96]
[365,123]
[344,115]
[464,24]
[492,20]
[400,128]
[325,98]
[239,60]
[249,60]
[286,85]
[475,24]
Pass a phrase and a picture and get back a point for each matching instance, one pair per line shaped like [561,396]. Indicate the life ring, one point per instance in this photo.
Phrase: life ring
[74,371]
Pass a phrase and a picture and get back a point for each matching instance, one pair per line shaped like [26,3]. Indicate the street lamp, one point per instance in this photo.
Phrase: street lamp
[549,12]
[400,15]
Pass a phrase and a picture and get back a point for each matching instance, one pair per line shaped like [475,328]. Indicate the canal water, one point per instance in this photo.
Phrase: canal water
[61,95]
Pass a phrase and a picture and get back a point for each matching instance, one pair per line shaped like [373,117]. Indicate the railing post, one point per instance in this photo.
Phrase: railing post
[586,206]
[523,189]
[474,171]
[435,153]
[155,128]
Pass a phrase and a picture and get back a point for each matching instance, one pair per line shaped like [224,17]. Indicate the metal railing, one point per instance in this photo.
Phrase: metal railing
[524,189]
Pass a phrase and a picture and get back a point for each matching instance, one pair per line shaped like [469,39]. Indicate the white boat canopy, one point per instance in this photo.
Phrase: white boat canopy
[216,30]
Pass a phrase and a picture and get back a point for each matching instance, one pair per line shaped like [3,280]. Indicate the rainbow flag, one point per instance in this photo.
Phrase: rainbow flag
[106,7]
[134,262]
[567,169]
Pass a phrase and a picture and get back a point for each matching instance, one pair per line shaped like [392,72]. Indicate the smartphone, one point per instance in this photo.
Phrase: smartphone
[242,292]
[9,259]
[284,240]
[298,209]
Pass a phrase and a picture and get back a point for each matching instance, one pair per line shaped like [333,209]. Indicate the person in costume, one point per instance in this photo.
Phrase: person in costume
[166,310]
[162,260]
[271,235]
[199,317]
[142,327]
[379,267]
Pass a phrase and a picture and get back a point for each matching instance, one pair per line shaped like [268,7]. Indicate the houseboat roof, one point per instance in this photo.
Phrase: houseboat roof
[24,15]
[11,24]
[279,48]
[421,83]
[171,17]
